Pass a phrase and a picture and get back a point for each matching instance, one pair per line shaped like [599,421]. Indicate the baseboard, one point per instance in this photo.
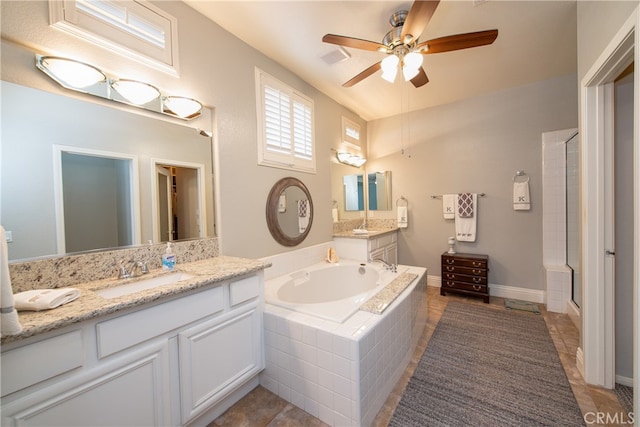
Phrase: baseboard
[574,314]
[580,361]
[513,292]
[624,380]
[502,291]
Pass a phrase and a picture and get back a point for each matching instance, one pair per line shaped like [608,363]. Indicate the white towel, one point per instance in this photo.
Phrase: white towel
[44,299]
[403,217]
[303,215]
[521,197]
[449,206]
[466,227]
[9,322]
[334,214]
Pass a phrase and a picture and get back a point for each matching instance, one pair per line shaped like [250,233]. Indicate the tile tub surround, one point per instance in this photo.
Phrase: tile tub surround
[90,305]
[69,270]
[342,373]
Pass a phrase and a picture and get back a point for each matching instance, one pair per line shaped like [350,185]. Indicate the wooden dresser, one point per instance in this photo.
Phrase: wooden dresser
[466,274]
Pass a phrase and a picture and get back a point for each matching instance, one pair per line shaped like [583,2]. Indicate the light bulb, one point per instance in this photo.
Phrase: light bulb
[389,63]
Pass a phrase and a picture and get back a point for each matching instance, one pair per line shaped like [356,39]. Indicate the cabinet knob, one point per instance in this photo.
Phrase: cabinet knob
[450,276]
[450,268]
[477,271]
[449,261]
[477,264]
[450,284]
[476,287]
[477,279]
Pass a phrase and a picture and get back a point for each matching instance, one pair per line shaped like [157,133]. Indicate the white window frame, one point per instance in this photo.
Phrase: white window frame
[69,16]
[289,154]
[351,133]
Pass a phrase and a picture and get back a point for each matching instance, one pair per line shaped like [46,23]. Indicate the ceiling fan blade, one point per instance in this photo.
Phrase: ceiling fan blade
[353,42]
[417,19]
[458,41]
[364,74]
[421,79]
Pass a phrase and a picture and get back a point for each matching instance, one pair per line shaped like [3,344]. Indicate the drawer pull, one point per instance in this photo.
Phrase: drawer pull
[450,261]
[477,264]
[450,268]
[477,279]
[476,287]
[477,271]
[451,276]
[450,284]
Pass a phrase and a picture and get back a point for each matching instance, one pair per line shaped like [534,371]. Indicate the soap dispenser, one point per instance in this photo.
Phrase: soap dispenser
[168,259]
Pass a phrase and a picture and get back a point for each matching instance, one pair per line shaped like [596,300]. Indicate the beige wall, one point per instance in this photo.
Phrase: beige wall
[476,145]
[218,69]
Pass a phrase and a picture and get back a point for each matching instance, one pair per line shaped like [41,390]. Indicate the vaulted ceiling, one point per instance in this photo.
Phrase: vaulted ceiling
[536,41]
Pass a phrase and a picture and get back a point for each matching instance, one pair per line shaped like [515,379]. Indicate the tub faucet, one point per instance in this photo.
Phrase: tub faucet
[391,267]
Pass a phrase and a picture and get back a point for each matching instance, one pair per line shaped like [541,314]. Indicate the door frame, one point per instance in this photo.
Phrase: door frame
[596,356]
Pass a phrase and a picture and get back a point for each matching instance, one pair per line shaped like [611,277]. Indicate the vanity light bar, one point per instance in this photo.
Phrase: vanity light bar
[82,77]
[351,159]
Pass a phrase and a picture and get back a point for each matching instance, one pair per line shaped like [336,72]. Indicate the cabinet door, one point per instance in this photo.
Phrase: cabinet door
[132,391]
[216,356]
[391,253]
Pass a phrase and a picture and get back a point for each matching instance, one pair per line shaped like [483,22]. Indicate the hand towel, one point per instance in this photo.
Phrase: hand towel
[465,205]
[303,215]
[9,322]
[466,227]
[44,299]
[403,218]
[448,206]
[521,197]
[334,214]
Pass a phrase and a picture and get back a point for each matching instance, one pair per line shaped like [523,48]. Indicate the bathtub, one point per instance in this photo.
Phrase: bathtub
[324,355]
[329,291]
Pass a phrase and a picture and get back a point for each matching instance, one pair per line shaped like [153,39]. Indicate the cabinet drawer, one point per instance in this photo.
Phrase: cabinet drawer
[243,290]
[464,262]
[40,361]
[474,280]
[451,284]
[464,270]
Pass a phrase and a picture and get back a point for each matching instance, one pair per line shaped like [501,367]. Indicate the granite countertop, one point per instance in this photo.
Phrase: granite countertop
[372,232]
[91,305]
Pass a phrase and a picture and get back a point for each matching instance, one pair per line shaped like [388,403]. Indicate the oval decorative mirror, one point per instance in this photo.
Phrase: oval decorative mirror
[289,211]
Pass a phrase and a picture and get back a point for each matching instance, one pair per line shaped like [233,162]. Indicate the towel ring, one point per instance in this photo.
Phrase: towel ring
[403,200]
[520,174]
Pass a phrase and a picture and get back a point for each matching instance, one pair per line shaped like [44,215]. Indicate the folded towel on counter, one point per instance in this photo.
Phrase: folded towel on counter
[466,227]
[521,197]
[448,206]
[9,322]
[465,205]
[403,218]
[303,215]
[44,299]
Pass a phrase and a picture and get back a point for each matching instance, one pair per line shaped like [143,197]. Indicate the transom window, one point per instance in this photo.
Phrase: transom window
[285,125]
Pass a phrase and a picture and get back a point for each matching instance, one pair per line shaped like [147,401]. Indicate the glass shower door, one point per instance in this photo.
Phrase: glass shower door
[572,159]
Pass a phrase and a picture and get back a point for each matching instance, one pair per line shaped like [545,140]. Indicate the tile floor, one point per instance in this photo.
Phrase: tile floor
[261,408]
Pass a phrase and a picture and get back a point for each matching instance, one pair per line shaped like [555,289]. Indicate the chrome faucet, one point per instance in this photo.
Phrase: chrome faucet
[363,226]
[391,267]
[124,273]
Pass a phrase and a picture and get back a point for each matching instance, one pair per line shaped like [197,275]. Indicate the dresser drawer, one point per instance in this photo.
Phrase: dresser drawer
[451,284]
[474,280]
[464,262]
[464,270]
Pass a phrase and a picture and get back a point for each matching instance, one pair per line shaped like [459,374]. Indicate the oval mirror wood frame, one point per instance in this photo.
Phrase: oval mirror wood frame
[272,212]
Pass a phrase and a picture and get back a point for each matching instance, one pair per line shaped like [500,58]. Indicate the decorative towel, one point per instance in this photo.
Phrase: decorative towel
[448,206]
[45,299]
[466,227]
[521,197]
[334,214]
[465,205]
[303,215]
[9,322]
[403,218]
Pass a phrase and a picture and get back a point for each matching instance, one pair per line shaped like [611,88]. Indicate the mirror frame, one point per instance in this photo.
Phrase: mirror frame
[272,211]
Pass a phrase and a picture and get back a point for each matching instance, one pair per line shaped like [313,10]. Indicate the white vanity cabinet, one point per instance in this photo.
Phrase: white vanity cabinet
[365,248]
[179,362]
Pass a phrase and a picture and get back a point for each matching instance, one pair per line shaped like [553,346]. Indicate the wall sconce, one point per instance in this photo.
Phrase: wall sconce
[86,78]
[351,159]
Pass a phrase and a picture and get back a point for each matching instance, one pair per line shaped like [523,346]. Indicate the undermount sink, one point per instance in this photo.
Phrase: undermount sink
[142,285]
[360,231]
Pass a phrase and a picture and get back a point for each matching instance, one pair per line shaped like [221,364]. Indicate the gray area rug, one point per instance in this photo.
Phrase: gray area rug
[625,397]
[488,367]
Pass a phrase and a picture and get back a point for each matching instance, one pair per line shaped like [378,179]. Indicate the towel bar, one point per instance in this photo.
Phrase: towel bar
[520,173]
[479,195]
[403,200]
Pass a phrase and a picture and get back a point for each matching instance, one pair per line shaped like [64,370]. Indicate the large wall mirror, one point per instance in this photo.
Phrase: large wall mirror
[378,196]
[289,211]
[63,157]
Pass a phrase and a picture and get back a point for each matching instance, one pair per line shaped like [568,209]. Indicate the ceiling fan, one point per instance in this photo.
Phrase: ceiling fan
[403,48]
